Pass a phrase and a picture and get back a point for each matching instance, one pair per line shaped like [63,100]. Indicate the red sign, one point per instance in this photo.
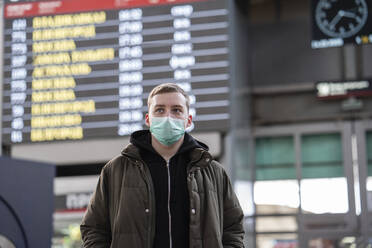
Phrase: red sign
[70,6]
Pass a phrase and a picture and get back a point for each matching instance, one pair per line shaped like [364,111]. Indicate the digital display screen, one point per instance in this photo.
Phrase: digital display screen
[76,69]
[344,89]
[338,22]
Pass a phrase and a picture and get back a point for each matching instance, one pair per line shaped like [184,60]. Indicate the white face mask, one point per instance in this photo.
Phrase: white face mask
[167,130]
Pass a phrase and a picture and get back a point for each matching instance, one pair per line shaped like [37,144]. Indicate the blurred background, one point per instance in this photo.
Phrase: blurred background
[280,91]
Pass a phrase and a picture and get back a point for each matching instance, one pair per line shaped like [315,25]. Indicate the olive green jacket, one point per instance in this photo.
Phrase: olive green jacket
[121,213]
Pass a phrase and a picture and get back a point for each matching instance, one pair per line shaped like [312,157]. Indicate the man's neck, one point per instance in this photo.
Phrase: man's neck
[166,152]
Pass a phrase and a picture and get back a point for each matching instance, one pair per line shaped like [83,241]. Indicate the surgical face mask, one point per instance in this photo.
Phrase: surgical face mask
[167,130]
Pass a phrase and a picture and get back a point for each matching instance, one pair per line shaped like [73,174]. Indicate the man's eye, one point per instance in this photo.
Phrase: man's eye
[159,110]
[177,110]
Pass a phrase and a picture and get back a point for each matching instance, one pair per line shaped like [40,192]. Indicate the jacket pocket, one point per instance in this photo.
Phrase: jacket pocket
[122,240]
[215,242]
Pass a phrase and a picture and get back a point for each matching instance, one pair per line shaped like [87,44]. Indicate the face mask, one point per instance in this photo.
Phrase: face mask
[167,130]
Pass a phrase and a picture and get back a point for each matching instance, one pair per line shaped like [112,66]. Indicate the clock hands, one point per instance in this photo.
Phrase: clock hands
[340,14]
[335,20]
[348,14]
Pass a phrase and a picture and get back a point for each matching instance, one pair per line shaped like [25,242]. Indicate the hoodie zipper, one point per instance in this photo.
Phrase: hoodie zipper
[169,210]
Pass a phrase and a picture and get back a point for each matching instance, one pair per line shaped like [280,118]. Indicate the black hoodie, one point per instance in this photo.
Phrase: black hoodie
[179,195]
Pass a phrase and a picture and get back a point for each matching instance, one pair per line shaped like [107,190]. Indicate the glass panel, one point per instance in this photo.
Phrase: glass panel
[277,240]
[279,196]
[243,174]
[369,194]
[241,160]
[369,168]
[276,224]
[275,158]
[249,236]
[369,151]
[67,233]
[322,243]
[243,190]
[327,195]
[345,242]
[321,156]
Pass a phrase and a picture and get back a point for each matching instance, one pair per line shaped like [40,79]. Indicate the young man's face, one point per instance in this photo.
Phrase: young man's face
[169,104]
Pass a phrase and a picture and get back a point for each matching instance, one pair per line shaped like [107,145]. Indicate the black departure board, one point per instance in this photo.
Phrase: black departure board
[77,69]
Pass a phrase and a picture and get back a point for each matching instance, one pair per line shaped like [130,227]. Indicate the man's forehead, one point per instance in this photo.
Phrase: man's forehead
[174,98]
[168,104]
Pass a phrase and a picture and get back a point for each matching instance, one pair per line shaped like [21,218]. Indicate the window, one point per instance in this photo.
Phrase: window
[275,158]
[321,156]
[276,188]
[323,178]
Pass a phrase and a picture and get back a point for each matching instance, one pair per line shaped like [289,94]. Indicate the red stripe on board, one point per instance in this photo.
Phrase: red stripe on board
[364,93]
[20,10]
[79,210]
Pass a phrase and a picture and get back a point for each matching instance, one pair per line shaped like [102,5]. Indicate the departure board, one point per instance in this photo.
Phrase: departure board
[77,69]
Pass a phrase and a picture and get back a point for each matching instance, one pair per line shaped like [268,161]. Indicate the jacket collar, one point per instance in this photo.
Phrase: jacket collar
[131,151]
[198,156]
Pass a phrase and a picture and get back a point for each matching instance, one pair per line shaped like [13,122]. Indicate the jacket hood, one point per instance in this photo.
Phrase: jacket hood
[142,140]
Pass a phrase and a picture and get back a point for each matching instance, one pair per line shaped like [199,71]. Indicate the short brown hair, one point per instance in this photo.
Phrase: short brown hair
[168,88]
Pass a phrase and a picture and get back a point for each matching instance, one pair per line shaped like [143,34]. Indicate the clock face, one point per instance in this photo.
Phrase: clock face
[341,18]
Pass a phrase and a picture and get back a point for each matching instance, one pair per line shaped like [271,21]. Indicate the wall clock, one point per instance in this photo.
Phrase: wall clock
[341,18]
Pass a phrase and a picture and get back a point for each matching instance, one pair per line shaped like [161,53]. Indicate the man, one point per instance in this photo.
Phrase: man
[164,190]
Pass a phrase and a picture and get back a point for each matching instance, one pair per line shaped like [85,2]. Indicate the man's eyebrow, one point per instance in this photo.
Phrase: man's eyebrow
[178,106]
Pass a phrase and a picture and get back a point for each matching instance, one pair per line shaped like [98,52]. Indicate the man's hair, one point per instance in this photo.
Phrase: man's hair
[168,88]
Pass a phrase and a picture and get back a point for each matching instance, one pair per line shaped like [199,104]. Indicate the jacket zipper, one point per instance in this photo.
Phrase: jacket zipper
[169,210]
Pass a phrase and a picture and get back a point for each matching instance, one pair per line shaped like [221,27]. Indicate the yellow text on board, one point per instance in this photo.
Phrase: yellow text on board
[57,95]
[64,33]
[62,70]
[55,121]
[87,106]
[49,134]
[53,46]
[53,83]
[69,20]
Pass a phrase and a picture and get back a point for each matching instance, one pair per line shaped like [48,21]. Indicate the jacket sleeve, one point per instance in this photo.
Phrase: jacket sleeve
[95,227]
[233,231]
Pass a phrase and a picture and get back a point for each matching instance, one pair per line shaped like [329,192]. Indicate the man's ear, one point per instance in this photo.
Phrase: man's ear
[147,120]
[189,121]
